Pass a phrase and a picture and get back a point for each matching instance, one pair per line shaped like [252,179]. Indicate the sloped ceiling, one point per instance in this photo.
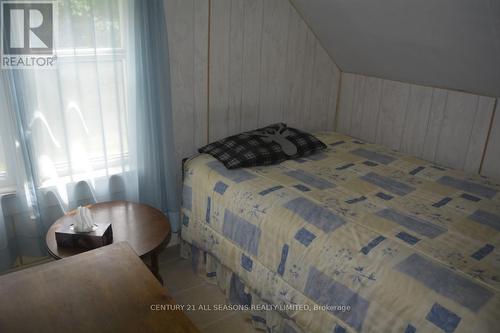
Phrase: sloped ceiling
[451,44]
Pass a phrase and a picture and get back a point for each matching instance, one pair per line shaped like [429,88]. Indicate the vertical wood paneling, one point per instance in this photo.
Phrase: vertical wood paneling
[296,52]
[252,28]
[306,113]
[274,45]
[220,23]
[357,107]
[417,115]
[321,86]
[479,134]
[491,164]
[392,113]
[334,93]
[434,123]
[446,127]
[345,103]
[236,39]
[371,107]
[267,66]
[456,129]
[200,73]
[180,25]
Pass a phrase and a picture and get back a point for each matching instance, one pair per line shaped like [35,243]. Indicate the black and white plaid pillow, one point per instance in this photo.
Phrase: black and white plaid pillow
[268,145]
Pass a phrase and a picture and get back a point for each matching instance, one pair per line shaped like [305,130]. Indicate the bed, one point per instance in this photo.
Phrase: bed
[358,238]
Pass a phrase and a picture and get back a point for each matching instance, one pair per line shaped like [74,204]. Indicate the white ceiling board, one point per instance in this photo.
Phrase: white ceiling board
[452,44]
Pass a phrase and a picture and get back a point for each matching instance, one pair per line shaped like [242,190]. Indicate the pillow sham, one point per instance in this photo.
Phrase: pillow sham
[268,145]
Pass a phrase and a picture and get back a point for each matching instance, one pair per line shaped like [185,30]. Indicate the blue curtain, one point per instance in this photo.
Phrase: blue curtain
[21,228]
[156,167]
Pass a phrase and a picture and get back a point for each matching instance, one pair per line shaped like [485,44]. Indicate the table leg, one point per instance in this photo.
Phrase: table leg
[155,267]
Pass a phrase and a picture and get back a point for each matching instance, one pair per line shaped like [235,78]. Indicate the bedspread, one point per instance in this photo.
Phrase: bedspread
[406,245]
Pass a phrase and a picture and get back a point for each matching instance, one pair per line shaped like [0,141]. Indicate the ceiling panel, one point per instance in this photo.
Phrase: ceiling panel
[452,44]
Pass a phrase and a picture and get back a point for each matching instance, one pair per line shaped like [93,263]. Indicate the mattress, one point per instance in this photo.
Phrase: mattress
[357,238]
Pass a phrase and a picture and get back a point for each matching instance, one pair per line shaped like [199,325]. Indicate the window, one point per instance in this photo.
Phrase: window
[78,124]
[89,24]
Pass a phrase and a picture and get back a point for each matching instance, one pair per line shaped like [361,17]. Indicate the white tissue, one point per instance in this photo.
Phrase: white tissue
[83,220]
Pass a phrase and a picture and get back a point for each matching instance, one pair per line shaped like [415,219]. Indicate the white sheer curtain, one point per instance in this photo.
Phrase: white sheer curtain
[80,132]
[68,136]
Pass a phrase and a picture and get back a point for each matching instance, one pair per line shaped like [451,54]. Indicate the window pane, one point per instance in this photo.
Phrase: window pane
[88,24]
[79,127]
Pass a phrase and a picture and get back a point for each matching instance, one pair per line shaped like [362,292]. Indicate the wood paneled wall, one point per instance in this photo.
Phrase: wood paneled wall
[187,24]
[256,62]
[491,162]
[240,64]
[266,66]
[445,126]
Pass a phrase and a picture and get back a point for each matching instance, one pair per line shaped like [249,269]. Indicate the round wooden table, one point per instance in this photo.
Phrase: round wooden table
[145,228]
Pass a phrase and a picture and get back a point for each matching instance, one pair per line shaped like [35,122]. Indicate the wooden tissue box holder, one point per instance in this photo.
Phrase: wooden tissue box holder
[67,237]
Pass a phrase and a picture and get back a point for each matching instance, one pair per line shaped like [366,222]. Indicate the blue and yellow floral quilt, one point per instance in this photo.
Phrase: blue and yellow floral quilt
[403,244]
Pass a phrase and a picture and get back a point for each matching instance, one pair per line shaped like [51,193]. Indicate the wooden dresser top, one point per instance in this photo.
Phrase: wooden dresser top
[105,290]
